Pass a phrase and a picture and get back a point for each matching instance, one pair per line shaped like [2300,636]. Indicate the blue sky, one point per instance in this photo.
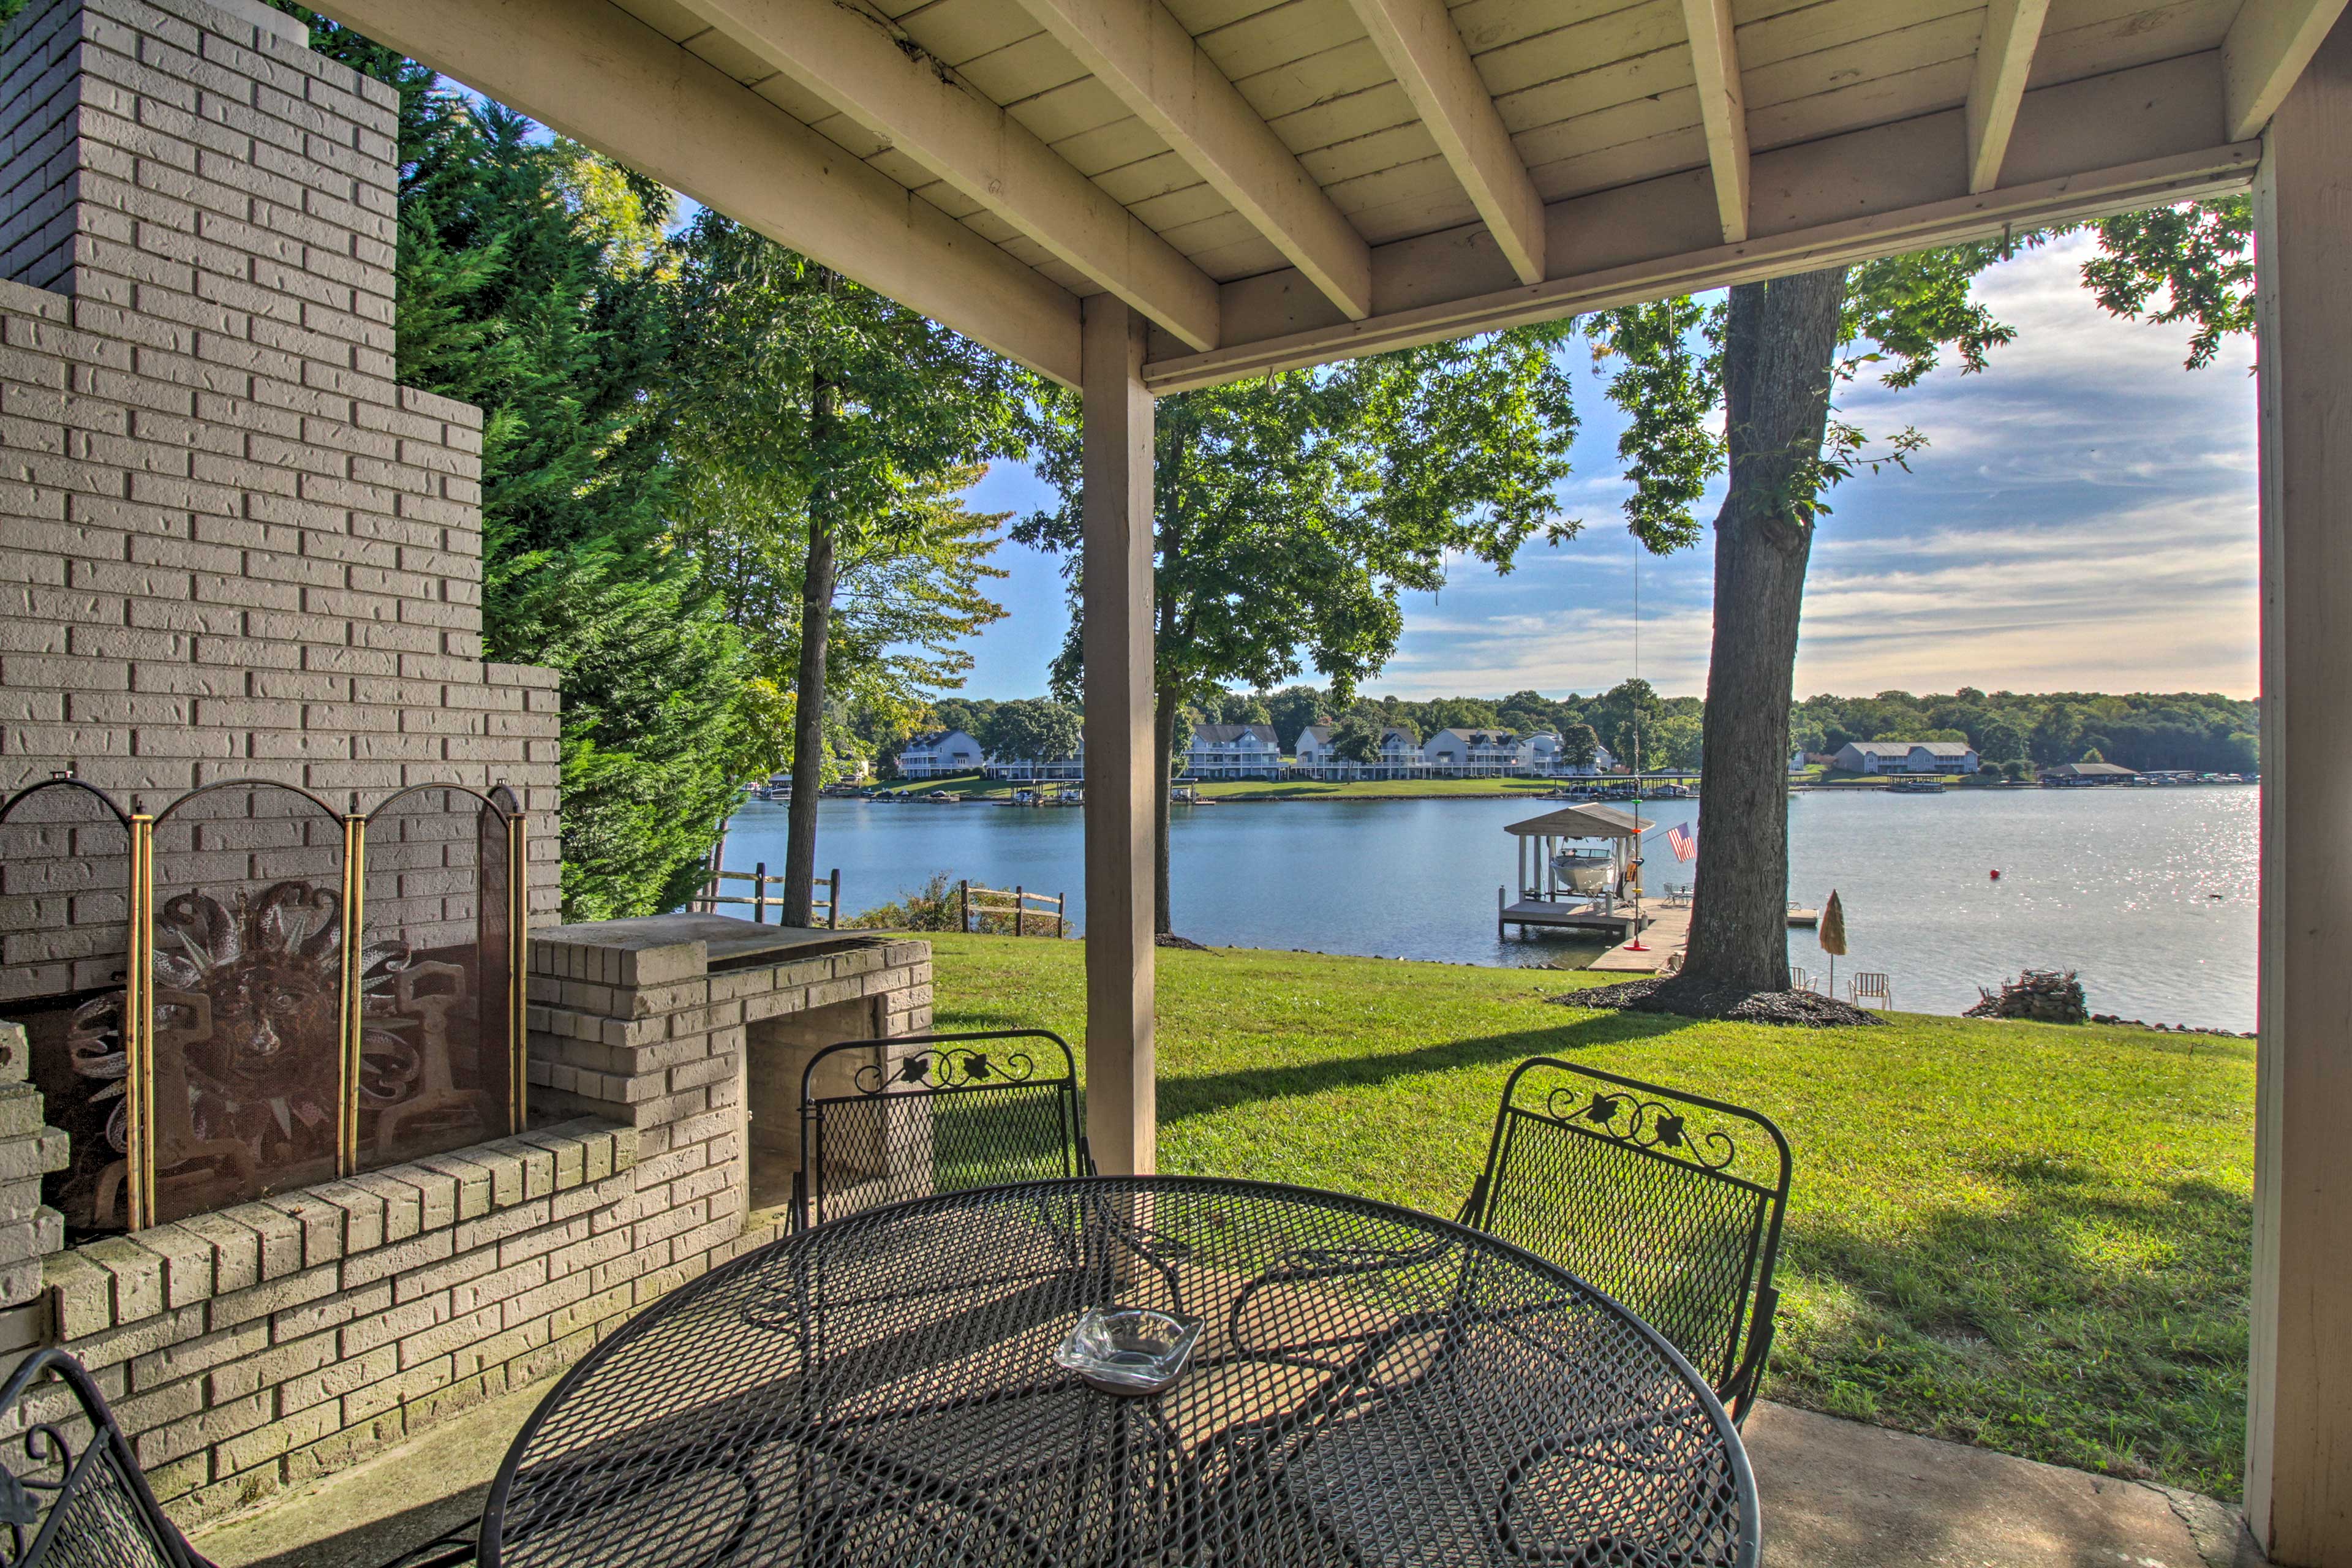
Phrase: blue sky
[2083,518]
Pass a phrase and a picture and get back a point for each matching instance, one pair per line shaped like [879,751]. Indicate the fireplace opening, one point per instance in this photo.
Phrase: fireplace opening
[249,993]
[245,1066]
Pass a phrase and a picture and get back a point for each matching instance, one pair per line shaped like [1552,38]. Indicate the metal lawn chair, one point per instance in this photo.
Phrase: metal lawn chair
[1669,1202]
[71,1492]
[884,1121]
[1800,979]
[1870,989]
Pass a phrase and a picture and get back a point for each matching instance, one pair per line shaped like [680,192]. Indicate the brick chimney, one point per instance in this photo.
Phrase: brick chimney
[230,543]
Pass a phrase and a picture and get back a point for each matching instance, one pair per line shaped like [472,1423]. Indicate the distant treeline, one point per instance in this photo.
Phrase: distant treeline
[2146,730]
[2201,731]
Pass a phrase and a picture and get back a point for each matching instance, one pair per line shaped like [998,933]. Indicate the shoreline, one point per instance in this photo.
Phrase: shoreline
[1424,884]
[1184,944]
[1279,794]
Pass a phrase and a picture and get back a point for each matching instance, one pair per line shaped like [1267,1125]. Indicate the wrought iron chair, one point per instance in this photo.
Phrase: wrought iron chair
[1870,989]
[883,1121]
[1669,1202]
[71,1493]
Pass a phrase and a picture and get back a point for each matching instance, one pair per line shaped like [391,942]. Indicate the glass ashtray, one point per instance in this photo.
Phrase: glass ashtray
[1129,1350]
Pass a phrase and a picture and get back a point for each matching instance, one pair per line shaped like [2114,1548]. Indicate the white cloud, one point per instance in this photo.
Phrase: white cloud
[2082,517]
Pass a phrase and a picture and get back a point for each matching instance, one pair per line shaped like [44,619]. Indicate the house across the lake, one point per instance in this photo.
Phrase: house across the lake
[938,754]
[1234,751]
[1905,757]
[1457,753]
[1544,755]
[1400,756]
[1052,770]
[1603,762]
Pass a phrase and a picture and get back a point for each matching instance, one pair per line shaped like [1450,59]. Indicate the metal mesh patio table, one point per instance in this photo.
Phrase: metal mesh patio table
[1370,1387]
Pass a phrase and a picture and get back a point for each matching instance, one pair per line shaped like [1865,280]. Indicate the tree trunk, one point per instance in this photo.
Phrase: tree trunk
[1777,368]
[808,710]
[1163,753]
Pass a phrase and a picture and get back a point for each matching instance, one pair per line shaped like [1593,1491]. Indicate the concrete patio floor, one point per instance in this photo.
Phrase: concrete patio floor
[1836,1494]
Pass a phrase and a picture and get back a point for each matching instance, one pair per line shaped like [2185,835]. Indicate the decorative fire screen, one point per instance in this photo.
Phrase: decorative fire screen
[249,992]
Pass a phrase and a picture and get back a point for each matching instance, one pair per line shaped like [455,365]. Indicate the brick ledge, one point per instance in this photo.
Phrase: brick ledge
[123,1296]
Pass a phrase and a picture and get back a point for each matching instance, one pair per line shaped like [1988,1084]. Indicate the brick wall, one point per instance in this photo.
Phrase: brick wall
[231,546]
[234,546]
[266,1343]
[629,1022]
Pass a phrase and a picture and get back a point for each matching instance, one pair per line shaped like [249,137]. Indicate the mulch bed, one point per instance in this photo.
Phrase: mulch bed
[1691,998]
[1170,939]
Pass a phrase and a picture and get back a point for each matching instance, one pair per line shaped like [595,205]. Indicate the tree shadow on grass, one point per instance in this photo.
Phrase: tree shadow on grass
[1202,1094]
[1183,1095]
[2081,1317]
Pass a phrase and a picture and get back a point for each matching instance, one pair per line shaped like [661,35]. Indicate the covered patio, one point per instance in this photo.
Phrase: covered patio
[1135,197]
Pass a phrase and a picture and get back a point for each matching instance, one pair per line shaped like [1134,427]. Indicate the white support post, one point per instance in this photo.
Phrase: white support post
[2299,1396]
[1122,1110]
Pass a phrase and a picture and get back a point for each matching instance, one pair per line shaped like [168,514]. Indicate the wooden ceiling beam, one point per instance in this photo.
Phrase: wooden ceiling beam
[1140,52]
[2266,48]
[2081,150]
[857,63]
[1722,110]
[2223,172]
[2004,60]
[1421,45]
[597,74]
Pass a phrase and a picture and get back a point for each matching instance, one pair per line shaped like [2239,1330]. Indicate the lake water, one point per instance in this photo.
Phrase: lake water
[2151,893]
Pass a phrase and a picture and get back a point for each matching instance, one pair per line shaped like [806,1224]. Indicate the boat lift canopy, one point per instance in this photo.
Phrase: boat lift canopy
[1583,822]
[1558,876]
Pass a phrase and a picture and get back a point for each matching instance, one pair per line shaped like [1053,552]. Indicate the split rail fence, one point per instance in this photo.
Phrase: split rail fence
[1014,901]
[761,902]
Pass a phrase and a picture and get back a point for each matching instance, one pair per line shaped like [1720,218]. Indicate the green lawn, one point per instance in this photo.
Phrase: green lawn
[962,784]
[2027,1236]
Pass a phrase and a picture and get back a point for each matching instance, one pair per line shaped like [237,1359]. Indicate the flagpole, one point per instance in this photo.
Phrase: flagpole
[1637,945]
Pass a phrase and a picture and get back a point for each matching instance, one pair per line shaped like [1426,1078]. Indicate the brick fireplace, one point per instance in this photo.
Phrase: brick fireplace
[277,848]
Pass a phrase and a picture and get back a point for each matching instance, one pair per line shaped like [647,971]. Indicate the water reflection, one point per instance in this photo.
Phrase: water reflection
[2151,893]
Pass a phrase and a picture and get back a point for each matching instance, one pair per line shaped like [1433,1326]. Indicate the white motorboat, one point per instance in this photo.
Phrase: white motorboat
[1588,872]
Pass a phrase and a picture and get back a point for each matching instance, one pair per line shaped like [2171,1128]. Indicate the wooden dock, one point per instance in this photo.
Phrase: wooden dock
[1544,914]
[1666,932]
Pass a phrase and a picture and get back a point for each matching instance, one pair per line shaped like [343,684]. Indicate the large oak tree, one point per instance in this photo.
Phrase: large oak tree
[1770,358]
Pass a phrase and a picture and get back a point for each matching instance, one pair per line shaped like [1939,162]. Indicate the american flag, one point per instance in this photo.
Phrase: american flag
[1683,842]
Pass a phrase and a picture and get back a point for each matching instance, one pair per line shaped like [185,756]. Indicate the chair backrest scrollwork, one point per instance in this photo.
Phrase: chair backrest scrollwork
[1672,1202]
[71,1493]
[883,1121]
